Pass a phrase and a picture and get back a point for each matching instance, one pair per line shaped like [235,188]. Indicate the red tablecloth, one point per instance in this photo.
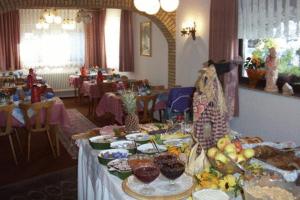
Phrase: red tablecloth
[112,103]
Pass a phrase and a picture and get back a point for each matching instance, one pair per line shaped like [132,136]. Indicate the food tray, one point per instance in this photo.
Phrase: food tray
[131,186]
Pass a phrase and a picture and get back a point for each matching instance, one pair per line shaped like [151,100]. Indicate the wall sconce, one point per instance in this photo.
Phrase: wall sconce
[189,30]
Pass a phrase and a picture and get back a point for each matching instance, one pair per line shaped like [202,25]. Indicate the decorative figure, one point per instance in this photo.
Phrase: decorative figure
[83,71]
[100,77]
[287,90]
[209,106]
[272,71]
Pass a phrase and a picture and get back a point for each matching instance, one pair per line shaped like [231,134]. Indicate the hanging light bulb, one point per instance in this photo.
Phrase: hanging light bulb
[153,7]
[38,26]
[57,19]
[139,5]
[49,17]
[169,5]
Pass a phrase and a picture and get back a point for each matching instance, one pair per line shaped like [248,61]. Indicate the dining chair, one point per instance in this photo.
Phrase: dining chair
[36,124]
[8,129]
[180,101]
[102,89]
[147,103]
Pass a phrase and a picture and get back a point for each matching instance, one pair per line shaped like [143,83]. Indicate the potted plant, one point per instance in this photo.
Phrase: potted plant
[131,119]
[255,68]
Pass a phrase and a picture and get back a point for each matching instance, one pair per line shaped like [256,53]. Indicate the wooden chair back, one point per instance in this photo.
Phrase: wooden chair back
[7,111]
[9,91]
[39,124]
[157,87]
[146,101]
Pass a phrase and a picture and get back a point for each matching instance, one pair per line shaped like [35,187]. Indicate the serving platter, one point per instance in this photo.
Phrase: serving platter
[140,138]
[132,187]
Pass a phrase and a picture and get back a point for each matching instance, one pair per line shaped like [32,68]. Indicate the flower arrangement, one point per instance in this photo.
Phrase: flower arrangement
[213,179]
[254,63]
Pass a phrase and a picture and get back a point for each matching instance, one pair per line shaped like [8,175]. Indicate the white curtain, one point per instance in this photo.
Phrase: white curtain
[112,37]
[269,18]
[51,50]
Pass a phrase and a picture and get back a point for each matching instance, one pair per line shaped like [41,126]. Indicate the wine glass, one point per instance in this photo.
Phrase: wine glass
[146,173]
[172,170]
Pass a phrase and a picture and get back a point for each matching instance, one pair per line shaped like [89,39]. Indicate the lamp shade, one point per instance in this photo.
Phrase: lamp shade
[139,5]
[169,5]
[152,7]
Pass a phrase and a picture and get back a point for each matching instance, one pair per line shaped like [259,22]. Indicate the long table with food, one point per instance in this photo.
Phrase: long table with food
[162,161]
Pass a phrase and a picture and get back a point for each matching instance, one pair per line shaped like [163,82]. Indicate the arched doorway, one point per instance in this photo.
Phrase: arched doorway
[166,22]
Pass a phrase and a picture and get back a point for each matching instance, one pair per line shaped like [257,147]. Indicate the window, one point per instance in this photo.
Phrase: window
[264,24]
[112,37]
[53,49]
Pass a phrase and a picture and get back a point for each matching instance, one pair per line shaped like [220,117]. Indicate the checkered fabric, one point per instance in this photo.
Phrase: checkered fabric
[217,124]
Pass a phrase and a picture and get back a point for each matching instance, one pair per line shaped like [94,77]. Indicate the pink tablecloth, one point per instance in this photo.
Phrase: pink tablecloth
[74,81]
[59,116]
[111,103]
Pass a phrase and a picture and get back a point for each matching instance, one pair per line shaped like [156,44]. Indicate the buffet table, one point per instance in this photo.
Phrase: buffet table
[94,181]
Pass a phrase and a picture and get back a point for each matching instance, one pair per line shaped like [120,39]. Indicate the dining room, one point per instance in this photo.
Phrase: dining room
[139,99]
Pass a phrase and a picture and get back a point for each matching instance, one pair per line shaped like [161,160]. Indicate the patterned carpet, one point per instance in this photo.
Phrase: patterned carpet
[60,185]
[79,124]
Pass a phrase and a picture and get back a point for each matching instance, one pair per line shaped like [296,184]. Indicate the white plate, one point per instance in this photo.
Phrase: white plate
[103,139]
[122,144]
[145,148]
[137,137]
[210,194]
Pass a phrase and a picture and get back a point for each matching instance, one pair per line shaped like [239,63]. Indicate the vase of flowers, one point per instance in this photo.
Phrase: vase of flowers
[255,68]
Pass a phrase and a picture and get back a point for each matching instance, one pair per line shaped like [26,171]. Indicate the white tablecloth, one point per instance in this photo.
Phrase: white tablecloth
[94,181]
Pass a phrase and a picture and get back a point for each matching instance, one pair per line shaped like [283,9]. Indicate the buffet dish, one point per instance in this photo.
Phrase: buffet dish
[108,155]
[101,142]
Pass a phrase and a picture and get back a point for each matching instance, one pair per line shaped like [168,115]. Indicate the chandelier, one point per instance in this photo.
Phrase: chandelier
[83,16]
[152,7]
[68,24]
[51,16]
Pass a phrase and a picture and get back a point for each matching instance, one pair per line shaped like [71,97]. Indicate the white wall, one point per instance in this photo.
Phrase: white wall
[191,54]
[154,68]
[273,117]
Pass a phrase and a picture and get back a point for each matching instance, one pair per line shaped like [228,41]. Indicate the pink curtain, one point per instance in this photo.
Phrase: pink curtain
[9,40]
[95,40]
[223,45]
[126,43]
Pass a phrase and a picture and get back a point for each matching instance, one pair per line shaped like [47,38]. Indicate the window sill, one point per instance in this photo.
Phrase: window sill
[260,88]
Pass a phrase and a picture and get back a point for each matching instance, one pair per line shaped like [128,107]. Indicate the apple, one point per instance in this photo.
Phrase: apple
[229,148]
[221,157]
[223,142]
[211,153]
[238,145]
[240,158]
[248,153]
[232,156]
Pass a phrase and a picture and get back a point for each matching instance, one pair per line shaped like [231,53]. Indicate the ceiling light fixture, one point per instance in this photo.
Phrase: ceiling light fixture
[152,7]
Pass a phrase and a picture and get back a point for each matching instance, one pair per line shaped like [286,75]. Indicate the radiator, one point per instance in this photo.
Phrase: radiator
[58,81]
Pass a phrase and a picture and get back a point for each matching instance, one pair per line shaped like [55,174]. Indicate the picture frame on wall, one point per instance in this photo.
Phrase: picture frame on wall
[146,38]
